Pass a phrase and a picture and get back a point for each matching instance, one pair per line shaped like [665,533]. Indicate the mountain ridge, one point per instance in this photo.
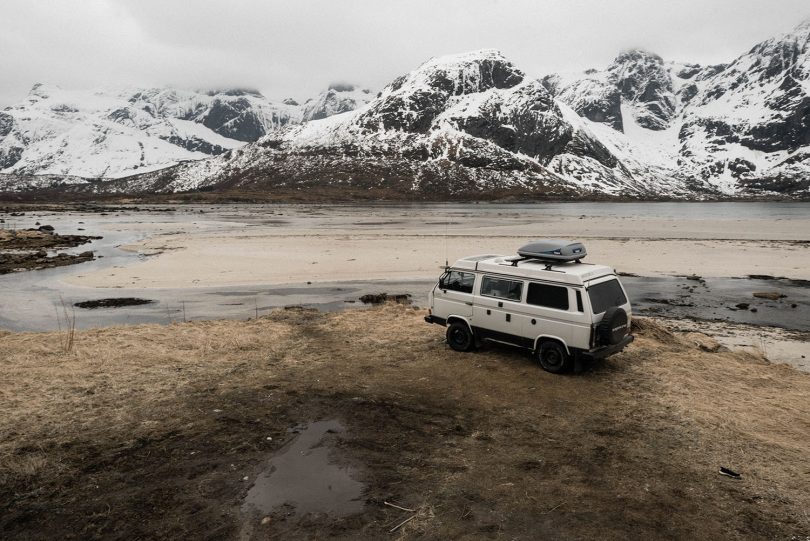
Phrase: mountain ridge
[466,123]
[118,132]
[474,123]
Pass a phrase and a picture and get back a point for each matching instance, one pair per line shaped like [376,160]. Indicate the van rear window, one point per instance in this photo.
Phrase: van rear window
[605,295]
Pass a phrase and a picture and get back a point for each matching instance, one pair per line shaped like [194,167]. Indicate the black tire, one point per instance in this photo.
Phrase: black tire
[553,357]
[459,336]
[613,327]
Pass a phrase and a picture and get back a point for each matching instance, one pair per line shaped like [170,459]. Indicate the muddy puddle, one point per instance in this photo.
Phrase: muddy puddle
[114,302]
[303,478]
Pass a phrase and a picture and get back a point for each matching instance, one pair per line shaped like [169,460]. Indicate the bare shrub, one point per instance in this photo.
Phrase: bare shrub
[67,319]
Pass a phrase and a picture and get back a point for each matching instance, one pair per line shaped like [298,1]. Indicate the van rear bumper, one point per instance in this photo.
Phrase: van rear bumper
[601,353]
[437,320]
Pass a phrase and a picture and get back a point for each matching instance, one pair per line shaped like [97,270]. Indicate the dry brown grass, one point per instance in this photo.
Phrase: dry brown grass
[744,411]
[121,377]
[481,444]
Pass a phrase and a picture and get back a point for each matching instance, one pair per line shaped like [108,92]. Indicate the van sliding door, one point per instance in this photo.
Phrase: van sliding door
[498,314]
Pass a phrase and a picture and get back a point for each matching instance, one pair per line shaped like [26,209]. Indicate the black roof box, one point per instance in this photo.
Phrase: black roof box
[553,250]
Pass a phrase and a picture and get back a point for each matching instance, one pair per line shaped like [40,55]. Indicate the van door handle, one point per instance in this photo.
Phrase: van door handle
[508,317]
[468,303]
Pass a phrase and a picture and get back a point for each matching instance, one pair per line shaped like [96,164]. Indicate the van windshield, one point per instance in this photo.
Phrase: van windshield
[457,281]
[605,295]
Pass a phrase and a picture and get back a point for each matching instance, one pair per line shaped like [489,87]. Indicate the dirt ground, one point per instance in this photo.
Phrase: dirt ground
[147,432]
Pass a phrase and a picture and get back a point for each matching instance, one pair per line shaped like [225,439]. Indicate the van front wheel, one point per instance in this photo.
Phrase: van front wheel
[553,357]
[459,336]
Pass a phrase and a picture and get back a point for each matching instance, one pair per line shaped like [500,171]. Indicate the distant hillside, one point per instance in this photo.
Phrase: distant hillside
[111,134]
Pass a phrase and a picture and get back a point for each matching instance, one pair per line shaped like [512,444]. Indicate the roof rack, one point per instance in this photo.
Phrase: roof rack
[513,261]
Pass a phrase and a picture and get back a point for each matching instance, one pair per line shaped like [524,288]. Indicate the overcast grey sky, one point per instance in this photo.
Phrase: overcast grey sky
[296,48]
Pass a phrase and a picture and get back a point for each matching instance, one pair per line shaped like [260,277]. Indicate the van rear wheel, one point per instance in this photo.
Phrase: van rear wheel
[459,336]
[553,357]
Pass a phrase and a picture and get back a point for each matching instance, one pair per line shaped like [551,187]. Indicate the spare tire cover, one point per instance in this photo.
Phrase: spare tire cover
[613,327]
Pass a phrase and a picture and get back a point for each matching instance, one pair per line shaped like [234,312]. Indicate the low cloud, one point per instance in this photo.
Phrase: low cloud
[295,49]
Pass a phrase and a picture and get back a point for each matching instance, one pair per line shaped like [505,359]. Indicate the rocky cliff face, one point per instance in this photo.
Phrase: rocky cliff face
[742,127]
[338,98]
[593,96]
[645,84]
[412,102]
[637,79]
[750,121]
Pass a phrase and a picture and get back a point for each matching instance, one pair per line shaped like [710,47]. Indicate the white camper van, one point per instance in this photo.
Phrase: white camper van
[544,299]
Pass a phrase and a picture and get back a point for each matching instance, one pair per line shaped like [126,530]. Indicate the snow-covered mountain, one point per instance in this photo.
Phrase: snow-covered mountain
[738,128]
[116,133]
[465,125]
[338,98]
[460,124]
[637,79]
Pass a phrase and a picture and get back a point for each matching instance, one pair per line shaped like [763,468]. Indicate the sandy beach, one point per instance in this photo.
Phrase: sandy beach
[304,244]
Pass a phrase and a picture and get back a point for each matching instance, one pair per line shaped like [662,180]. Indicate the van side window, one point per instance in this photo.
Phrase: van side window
[501,288]
[579,302]
[457,281]
[548,296]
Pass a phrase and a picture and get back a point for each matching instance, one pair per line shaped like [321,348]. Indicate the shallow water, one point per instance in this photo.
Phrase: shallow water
[302,475]
[39,311]
[717,299]
[692,211]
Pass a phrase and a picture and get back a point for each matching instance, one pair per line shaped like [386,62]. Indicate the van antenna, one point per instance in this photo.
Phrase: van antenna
[446,226]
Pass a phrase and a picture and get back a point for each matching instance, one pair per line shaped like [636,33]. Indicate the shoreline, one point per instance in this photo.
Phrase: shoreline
[221,260]
[332,196]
